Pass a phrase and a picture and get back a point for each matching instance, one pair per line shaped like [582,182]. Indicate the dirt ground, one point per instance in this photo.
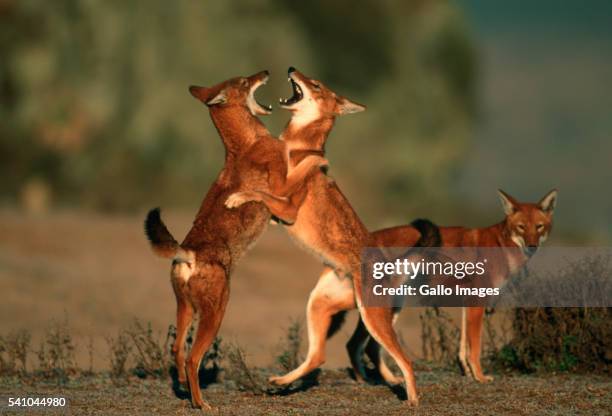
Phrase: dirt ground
[99,273]
[334,393]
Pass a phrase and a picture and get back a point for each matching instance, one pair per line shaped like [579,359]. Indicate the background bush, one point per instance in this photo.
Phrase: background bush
[559,339]
[95,106]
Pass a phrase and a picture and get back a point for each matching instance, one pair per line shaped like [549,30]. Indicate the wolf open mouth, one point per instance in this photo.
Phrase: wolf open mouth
[297,94]
[265,108]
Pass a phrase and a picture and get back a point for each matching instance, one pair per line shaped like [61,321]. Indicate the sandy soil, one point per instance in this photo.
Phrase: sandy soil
[441,392]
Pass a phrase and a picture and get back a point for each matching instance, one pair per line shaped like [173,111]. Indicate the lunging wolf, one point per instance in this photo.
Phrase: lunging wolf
[319,216]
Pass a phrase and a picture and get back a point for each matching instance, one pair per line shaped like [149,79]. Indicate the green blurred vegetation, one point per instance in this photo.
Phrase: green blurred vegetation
[94,103]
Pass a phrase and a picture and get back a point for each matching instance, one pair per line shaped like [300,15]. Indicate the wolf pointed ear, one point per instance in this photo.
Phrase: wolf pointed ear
[346,106]
[220,98]
[209,96]
[548,203]
[508,202]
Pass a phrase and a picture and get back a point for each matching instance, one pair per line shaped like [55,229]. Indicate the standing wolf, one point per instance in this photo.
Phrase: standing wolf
[524,228]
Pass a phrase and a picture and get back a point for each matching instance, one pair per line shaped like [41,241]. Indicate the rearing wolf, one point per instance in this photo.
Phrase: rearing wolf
[202,263]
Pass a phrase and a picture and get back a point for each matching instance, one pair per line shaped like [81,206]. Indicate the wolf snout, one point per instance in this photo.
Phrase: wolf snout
[531,250]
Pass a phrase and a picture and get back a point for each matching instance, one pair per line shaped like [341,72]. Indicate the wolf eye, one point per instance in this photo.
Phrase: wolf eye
[520,227]
[316,86]
[539,227]
[244,82]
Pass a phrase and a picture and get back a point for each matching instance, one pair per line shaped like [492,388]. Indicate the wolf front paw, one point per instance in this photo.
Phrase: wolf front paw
[238,198]
[201,404]
[484,379]
[413,402]
[278,380]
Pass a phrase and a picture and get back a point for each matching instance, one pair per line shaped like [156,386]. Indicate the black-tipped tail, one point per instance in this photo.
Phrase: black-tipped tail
[161,240]
[430,233]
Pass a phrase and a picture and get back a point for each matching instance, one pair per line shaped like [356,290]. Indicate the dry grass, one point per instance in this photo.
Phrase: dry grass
[289,357]
[243,389]
[120,350]
[240,373]
[14,348]
[140,351]
[56,353]
[149,357]
[90,356]
[439,336]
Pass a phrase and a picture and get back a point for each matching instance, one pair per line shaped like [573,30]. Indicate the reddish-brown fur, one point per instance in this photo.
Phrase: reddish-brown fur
[219,237]
[322,218]
[526,221]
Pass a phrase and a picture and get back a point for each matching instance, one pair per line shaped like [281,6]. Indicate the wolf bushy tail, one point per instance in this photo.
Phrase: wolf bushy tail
[337,320]
[430,233]
[162,242]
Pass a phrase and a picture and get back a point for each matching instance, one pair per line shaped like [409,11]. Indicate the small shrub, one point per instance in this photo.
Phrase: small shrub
[289,357]
[149,356]
[212,358]
[120,350]
[497,332]
[56,355]
[559,339]
[90,357]
[562,339]
[14,349]
[239,372]
[170,339]
[586,281]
